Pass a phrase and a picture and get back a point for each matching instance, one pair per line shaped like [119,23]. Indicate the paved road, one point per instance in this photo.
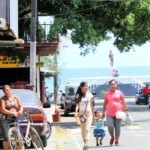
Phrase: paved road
[66,135]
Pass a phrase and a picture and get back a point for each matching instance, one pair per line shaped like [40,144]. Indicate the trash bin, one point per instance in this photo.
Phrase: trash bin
[57,116]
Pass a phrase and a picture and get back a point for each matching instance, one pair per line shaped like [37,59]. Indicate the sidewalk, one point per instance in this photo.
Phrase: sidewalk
[132,138]
[66,135]
[59,138]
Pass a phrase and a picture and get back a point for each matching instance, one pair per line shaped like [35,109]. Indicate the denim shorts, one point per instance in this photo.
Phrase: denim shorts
[5,128]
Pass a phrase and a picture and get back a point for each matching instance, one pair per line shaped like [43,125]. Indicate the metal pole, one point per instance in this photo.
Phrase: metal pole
[33,44]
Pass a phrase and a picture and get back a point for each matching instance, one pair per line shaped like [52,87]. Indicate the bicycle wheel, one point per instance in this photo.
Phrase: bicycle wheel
[14,140]
[48,130]
[36,140]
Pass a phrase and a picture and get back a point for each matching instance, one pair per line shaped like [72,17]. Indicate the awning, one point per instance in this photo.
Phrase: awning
[9,43]
[43,49]
[47,73]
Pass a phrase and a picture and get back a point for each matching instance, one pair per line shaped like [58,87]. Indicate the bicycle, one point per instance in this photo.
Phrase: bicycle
[16,138]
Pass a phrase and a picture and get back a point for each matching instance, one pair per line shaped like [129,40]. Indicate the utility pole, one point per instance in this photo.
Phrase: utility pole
[55,82]
[33,44]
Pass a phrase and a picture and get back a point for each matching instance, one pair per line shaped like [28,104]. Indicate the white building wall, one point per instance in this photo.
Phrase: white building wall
[14,16]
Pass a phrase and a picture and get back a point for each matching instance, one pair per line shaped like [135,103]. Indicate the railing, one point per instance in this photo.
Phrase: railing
[136,81]
[43,32]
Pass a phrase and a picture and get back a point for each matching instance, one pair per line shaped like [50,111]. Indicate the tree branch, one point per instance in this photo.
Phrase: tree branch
[25,11]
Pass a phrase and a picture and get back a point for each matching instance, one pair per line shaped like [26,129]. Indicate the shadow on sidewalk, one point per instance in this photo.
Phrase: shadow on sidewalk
[66,125]
[97,147]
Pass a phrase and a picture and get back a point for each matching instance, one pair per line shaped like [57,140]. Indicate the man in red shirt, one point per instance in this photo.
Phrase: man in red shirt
[145,92]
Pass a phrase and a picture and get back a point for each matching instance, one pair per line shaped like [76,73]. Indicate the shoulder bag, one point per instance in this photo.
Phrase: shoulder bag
[82,117]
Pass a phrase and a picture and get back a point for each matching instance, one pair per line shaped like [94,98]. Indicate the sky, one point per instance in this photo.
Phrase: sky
[70,57]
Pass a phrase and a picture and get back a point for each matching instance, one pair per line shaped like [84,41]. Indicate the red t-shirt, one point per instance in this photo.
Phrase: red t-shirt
[145,91]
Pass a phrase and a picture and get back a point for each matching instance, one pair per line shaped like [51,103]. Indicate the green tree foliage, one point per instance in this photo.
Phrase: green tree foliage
[102,92]
[92,20]
[51,63]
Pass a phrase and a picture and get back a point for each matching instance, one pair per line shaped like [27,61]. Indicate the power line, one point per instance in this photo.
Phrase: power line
[77,11]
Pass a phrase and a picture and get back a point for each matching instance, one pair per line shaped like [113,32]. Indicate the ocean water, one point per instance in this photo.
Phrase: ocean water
[96,72]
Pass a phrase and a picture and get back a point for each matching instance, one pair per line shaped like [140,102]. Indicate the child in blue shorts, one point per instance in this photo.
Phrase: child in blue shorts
[99,131]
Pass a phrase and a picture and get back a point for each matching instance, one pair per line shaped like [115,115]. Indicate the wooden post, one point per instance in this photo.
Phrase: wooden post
[55,82]
[55,88]
[33,44]
[38,77]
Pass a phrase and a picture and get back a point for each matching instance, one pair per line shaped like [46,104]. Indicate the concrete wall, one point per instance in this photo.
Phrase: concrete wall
[127,89]
[3,9]
[9,11]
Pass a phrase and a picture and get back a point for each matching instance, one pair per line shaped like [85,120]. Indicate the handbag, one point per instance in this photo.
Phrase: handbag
[120,115]
[82,117]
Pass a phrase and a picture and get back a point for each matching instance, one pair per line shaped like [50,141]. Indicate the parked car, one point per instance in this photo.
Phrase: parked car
[94,93]
[69,99]
[140,99]
[62,97]
[149,101]
[31,102]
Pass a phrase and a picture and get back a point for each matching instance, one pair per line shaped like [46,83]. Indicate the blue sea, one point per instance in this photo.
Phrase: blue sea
[95,72]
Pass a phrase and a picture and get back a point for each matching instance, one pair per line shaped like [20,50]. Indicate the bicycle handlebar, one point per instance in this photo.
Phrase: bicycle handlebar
[26,114]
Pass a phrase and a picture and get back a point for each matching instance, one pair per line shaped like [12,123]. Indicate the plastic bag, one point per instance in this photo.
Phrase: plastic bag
[129,120]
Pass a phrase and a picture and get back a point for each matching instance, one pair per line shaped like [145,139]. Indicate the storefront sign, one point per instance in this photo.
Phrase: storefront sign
[8,62]
[39,64]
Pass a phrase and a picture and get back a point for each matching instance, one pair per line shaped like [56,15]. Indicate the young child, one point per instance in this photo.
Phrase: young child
[99,130]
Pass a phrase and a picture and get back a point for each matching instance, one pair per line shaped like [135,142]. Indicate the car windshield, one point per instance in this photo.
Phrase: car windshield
[71,91]
[27,98]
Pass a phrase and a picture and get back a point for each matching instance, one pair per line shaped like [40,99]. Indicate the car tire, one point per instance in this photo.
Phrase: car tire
[149,106]
[1,144]
[49,130]
[146,103]
[66,112]
[62,106]
[44,140]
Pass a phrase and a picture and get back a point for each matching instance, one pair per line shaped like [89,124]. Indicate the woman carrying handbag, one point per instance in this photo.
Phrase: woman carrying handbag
[114,99]
[84,105]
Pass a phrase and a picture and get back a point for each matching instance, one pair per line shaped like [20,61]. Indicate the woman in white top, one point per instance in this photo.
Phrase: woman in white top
[84,105]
